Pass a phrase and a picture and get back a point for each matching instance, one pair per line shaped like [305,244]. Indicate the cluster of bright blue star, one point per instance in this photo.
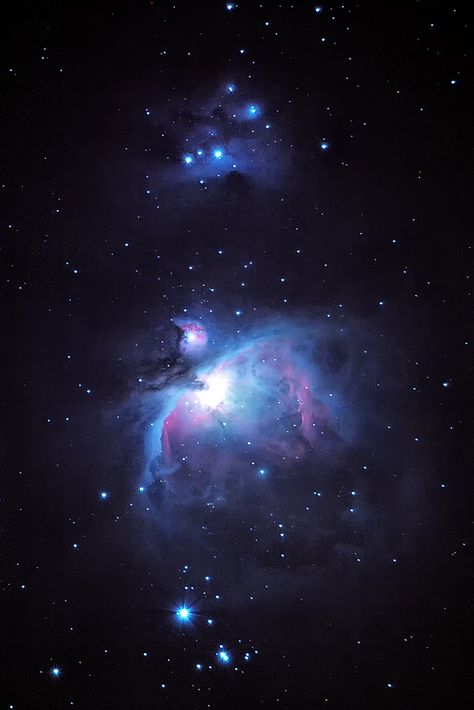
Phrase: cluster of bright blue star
[189,158]
[212,154]
[232,139]
[184,615]
[223,656]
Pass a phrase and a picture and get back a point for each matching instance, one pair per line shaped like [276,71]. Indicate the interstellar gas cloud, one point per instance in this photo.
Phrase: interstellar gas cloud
[217,133]
[259,453]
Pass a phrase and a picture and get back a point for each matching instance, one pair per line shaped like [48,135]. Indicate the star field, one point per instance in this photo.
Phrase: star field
[236,271]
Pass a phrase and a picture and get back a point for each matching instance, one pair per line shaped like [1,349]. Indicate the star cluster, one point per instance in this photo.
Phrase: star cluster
[226,134]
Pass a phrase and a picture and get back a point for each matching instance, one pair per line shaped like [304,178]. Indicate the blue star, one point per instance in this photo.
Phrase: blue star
[218,153]
[230,6]
[55,672]
[253,111]
[104,495]
[230,88]
[183,613]
[188,159]
[223,656]
[324,145]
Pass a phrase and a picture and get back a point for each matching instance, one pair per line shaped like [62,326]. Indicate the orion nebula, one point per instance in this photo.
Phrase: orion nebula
[260,398]
[265,424]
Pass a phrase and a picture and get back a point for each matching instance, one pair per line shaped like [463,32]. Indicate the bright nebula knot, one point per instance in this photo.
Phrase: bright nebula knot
[214,390]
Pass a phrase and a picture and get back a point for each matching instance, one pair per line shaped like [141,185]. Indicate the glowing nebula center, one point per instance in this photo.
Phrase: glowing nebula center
[257,401]
[214,390]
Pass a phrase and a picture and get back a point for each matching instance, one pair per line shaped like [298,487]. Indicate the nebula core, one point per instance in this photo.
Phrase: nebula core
[254,406]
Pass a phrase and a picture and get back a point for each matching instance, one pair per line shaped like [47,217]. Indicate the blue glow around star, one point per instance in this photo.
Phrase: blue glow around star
[104,495]
[231,137]
[253,111]
[223,656]
[183,613]
[55,672]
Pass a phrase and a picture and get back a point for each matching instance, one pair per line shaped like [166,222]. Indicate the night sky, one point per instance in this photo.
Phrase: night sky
[236,356]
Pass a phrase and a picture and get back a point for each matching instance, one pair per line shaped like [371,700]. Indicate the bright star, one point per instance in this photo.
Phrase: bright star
[183,613]
[230,88]
[55,672]
[230,6]
[223,656]
[324,145]
[218,153]
[188,159]
[104,495]
[253,111]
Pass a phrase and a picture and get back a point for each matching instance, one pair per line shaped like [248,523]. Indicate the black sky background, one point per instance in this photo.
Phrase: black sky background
[77,145]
